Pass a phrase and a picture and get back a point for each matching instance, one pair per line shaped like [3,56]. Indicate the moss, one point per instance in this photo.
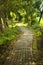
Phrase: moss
[34,45]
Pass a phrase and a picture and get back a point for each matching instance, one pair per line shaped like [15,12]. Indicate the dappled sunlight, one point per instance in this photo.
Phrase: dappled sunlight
[14,25]
[41,22]
[22,24]
[18,24]
[24,34]
[21,32]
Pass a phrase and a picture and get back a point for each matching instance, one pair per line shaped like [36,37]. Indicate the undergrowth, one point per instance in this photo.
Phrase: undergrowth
[9,34]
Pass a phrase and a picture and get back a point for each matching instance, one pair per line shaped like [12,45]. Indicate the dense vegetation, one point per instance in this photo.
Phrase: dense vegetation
[9,34]
[27,10]
[16,11]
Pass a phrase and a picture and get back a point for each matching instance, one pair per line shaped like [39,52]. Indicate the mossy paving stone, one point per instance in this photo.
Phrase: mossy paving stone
[5,49]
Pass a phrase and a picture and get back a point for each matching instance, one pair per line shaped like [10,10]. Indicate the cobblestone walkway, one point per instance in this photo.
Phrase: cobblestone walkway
[21,54]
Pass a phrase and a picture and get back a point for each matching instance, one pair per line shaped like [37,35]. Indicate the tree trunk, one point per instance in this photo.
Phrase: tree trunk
[40,17]
[1,28]
[4,17]
[26,18]
[5,20]
[31,20]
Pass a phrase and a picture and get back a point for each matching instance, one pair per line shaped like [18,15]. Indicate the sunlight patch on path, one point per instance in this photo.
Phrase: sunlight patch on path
[22,24]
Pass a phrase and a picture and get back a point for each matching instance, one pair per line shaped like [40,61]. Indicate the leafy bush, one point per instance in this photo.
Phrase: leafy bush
[38,33]
[9,34]
[35,26]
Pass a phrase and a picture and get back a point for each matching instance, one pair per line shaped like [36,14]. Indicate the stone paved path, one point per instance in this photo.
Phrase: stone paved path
[21,54]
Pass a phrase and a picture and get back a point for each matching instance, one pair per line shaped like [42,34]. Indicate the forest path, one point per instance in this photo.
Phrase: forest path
[21,54]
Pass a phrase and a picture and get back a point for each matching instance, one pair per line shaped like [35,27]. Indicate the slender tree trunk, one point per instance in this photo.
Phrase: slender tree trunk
[4,17]
[1,28]
[31,20]
[40,17]
[26,18]
[5,20]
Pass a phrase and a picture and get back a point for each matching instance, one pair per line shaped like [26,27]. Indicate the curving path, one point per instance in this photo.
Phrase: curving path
[21,54]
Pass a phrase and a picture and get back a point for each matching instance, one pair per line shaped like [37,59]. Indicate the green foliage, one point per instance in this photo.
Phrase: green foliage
[9,34]
[26,9]
[38,33]
[35,26]
[37,4]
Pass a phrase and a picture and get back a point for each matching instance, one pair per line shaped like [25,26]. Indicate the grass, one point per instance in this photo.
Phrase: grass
[9,34]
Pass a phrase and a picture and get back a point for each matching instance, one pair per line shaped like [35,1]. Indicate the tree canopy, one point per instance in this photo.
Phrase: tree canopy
[29,9]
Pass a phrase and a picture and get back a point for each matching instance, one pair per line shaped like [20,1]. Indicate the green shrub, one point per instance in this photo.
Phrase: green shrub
[38,33]
[9,34]
[35,26]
